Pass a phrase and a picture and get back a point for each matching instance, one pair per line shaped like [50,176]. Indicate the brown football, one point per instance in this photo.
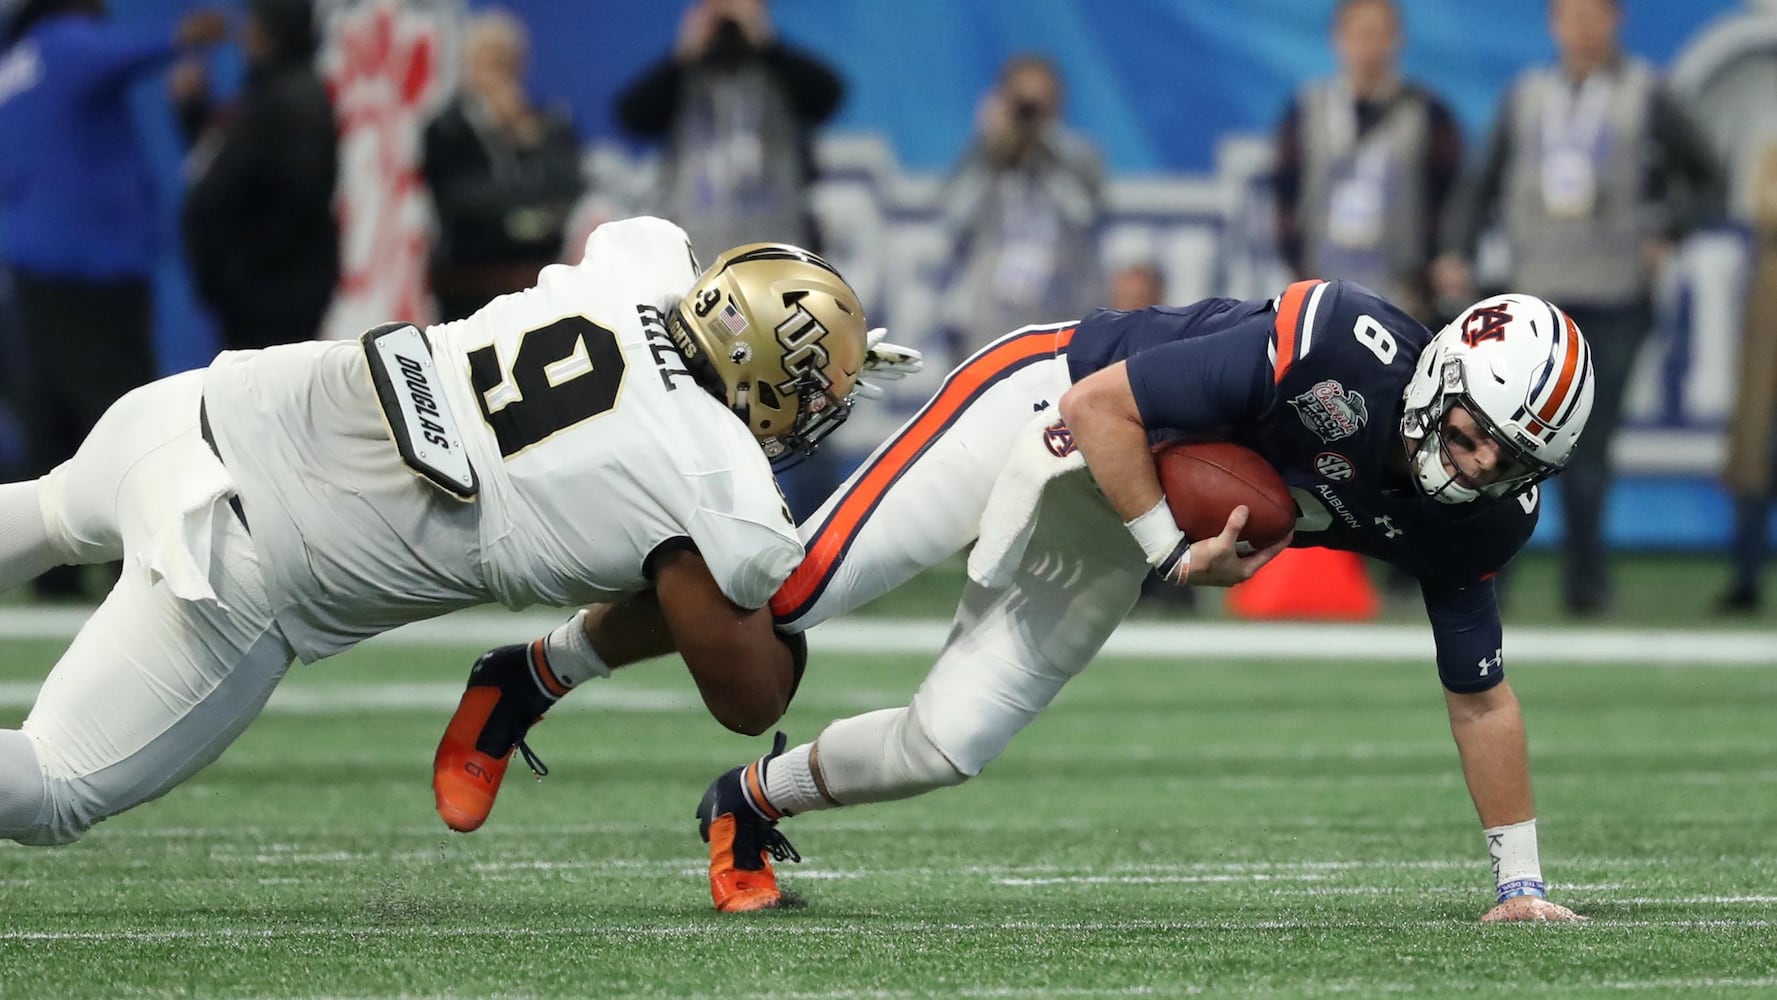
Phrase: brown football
[1204,483]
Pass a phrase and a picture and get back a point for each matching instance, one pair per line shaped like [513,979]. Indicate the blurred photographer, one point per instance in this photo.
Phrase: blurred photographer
[737,108]
[1366,162]
[1022,209]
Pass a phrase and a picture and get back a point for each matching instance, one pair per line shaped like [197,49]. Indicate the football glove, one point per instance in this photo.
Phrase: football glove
[885,362]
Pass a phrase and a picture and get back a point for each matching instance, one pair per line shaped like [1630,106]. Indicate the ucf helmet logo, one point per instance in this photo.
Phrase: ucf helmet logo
[801,335]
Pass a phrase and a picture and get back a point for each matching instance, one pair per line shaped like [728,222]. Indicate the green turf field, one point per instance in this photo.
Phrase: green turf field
[1169,828]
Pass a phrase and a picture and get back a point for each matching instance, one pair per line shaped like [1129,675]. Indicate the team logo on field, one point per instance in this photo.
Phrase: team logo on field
[1334,466]
[1330,411]
[1059,439]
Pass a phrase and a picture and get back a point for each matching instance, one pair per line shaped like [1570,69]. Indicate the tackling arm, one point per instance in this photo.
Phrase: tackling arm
[745,671]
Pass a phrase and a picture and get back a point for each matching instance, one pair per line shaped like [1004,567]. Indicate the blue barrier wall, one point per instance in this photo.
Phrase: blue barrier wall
[1156,83]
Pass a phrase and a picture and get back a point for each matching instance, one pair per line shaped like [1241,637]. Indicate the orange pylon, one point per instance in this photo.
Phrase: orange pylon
[1313,583]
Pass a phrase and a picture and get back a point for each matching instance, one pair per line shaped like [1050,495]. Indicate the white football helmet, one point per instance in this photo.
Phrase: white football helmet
[1520,367]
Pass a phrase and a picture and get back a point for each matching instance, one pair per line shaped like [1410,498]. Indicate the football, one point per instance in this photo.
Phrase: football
[1204,482]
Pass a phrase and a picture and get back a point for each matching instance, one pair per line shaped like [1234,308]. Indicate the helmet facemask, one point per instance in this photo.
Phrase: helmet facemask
[1432,459]
[1521,373]
[818,413]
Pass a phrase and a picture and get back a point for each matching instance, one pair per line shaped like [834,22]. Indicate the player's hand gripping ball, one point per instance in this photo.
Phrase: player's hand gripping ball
[1205,482]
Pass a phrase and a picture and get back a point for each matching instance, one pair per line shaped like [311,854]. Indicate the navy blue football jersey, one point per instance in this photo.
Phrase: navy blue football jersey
[1313,381]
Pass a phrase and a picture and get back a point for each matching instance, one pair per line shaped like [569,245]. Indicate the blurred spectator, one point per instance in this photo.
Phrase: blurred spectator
[1593,169]
[82,235]
[504,174]
[737,108]
[1136,286]
[259,224]
[1365,165]
[1752,443]
[1023,210]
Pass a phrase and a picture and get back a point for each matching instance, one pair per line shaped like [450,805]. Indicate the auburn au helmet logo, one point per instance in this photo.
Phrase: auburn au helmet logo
[1486,323]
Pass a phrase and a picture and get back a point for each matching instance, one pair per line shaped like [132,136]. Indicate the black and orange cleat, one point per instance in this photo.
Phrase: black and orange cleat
[740,826]
[509,690]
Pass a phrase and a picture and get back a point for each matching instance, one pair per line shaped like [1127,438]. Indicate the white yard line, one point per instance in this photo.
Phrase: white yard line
[441,696]
[1135,640]
[776,929]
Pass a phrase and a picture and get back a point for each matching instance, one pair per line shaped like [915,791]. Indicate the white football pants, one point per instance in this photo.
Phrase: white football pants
[154,686]
[919,499]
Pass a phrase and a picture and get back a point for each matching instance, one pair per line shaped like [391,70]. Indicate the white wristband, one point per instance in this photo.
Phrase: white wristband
[1157,533]
[1516,868]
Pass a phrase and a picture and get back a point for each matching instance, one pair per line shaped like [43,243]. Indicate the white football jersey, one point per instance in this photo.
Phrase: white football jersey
[590,442]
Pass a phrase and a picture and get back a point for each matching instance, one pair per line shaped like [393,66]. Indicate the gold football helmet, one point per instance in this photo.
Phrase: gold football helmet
[775,333]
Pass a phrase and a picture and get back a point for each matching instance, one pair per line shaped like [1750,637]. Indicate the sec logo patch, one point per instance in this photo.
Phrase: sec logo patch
[1334,466]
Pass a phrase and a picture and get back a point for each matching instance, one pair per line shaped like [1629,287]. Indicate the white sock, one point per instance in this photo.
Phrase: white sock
[571,656]
[21,785]
[25,550]
[789,783]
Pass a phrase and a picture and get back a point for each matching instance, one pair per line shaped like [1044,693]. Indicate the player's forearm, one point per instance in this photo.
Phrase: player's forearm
[1107,429]
[629,631]
[1489,732]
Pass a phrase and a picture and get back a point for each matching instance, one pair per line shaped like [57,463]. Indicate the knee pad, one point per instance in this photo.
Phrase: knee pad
[71,538]
[882,756]
[36,807]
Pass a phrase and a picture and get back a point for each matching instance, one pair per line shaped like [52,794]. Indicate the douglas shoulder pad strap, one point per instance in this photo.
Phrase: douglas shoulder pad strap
[414,403]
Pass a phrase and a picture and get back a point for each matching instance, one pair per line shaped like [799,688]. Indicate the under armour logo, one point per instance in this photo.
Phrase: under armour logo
[1387,522]
[1489,663]
[1039,407]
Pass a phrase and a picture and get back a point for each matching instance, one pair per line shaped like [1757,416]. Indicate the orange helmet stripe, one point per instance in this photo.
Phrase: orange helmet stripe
[1569,368]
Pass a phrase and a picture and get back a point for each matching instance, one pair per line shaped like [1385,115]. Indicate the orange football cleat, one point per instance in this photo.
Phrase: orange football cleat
[502,702]
[741,828]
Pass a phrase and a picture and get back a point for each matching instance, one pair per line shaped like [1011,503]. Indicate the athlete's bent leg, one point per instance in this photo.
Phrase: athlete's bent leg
[918,499]
[1011,651]
[915,501]
[154,686]
[151,690]
[25,549]
[72,515]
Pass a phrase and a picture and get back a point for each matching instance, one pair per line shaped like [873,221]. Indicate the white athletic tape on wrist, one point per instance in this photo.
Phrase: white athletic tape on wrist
[1156,532]
[1516,868]
[1167,549]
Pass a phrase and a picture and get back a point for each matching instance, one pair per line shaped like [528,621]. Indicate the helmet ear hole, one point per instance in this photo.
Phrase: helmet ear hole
[768,396]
